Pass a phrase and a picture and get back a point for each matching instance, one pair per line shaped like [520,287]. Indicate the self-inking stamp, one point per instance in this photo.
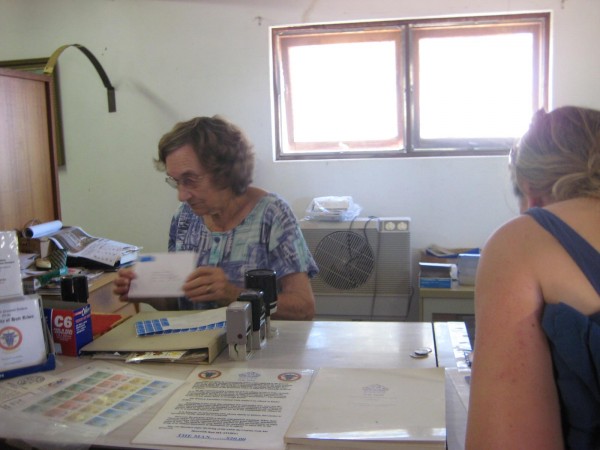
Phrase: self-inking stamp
[259,316]
[265,280]
[239,330]
[74,288]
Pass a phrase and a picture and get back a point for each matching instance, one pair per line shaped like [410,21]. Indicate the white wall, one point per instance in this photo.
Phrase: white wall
[170,60]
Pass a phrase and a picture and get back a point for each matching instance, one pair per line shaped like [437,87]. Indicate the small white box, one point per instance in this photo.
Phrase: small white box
[467,268]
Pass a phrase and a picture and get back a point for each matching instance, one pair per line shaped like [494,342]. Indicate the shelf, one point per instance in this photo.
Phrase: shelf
[449,304]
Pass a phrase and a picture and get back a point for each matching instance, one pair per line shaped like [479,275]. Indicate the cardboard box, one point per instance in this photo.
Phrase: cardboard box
[41,246]
[70,324]
[436,275]
[467,269]
[123,338]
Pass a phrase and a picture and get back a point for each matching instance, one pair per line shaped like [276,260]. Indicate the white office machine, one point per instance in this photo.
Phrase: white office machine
[365,267]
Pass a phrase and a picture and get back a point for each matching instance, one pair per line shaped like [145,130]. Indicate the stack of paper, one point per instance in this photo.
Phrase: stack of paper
[371,409]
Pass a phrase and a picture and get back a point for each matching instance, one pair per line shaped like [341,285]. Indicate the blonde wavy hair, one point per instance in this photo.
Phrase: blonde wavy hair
[560,154]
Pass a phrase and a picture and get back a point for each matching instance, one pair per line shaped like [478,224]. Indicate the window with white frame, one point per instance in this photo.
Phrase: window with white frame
[427,87]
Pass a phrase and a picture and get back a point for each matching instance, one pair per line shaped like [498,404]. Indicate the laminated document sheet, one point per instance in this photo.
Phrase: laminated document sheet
[83,404]
[229,408]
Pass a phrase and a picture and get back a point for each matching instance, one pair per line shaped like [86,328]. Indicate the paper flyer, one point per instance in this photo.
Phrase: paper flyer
[229,408]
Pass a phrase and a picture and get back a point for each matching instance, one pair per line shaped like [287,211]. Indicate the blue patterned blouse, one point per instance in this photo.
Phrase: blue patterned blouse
[268,238]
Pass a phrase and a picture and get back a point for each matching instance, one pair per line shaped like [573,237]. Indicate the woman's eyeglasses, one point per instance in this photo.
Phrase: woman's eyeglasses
[186,182]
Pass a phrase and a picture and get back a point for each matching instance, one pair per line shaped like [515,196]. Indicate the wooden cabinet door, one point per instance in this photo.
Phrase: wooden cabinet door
[28,168]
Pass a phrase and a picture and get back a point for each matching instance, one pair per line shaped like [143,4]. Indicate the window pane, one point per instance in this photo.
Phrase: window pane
[421,87]
[344,92]
[486,89]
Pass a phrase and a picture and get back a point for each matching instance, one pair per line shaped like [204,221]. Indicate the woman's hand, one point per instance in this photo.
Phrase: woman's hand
[208,283]
[122,283]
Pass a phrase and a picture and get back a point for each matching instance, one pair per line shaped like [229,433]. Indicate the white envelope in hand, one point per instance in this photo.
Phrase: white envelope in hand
[161,274]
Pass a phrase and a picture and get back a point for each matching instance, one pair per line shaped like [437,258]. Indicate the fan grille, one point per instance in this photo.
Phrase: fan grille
[345,259]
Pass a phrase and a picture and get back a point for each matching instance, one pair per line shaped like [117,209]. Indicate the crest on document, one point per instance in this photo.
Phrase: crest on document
[249,376]
[10,338]
[375,390]
[289,376]
[210,374]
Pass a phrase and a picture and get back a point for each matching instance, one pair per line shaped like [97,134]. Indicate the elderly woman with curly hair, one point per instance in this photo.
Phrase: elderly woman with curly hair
[233,226]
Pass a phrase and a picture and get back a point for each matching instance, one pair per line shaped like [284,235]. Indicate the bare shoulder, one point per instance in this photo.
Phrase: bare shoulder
[515,238]
[525,262]
[508,276]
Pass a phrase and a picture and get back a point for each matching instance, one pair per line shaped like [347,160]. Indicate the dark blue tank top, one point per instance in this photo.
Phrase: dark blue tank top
[575,343]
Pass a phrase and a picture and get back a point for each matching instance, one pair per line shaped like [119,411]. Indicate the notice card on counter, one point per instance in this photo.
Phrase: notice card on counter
[229,408]
[22,333]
